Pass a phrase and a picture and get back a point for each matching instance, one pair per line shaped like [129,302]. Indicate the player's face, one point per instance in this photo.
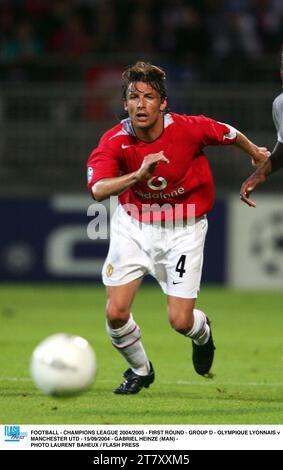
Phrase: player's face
[144,105]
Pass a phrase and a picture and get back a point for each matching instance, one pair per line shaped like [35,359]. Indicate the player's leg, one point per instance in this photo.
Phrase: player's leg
[122,328]
[184,267]
[186,319]
[126,337]
[122,274]
[194,324]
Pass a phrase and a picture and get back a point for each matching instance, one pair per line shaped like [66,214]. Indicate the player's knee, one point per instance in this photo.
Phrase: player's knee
[182,323]
[117,315]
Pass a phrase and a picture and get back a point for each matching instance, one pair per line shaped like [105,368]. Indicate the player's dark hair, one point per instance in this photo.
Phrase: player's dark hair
[147,73]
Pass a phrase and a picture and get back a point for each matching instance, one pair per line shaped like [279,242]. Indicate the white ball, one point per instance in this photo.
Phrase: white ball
[63,364]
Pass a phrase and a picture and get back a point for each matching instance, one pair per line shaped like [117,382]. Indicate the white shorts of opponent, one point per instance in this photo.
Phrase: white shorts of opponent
[172,255]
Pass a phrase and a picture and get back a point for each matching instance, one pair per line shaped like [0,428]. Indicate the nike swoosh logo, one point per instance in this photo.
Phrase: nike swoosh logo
[180,282]
[123,146]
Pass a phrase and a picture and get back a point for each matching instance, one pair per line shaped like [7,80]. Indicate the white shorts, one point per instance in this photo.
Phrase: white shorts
[173,256]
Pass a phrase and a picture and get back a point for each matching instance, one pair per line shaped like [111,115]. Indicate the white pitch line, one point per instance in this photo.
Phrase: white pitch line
[206,382]
[211,382]
[15,379]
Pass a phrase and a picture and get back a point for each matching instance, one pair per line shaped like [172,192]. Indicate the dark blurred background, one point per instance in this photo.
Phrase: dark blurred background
[60,70]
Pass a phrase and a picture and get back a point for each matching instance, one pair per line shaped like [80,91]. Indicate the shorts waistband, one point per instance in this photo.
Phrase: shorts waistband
[163,223]
[168,224]
[179,222]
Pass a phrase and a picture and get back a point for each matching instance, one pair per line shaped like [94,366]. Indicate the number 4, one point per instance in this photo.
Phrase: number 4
[180,266]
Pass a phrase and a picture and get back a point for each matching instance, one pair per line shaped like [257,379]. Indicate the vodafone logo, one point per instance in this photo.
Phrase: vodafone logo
[157,183]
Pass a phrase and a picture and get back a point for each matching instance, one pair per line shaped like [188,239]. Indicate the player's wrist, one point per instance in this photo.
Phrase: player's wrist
[136,176]
[260,175]
[255,152]
[264,170]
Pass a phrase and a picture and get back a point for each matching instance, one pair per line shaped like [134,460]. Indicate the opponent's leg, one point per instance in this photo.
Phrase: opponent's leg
[191,322]
[126,337]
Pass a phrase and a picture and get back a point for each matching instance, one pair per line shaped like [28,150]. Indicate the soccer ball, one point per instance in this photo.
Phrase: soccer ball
[63,364]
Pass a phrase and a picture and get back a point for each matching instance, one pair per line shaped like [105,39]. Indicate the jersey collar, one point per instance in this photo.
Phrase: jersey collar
[128,127]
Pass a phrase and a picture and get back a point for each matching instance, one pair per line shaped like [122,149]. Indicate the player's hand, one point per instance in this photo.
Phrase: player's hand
[261,154]
[149,164]
[249,186]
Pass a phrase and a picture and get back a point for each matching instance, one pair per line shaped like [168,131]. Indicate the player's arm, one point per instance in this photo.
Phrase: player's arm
[276,158]
[219,133]
[107,187]
[272,164]
[257,154]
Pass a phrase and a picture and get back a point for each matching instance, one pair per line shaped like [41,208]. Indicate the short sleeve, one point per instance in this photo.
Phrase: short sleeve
[277,114]
[216,133]
[102,163]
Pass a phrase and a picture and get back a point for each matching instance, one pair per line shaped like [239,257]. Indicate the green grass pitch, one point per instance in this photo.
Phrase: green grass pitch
[247,387]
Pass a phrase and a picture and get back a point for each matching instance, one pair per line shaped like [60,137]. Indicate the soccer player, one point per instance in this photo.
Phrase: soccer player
[154,161]
[275,162]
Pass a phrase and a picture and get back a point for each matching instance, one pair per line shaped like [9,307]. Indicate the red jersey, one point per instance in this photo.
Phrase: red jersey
[186,180]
